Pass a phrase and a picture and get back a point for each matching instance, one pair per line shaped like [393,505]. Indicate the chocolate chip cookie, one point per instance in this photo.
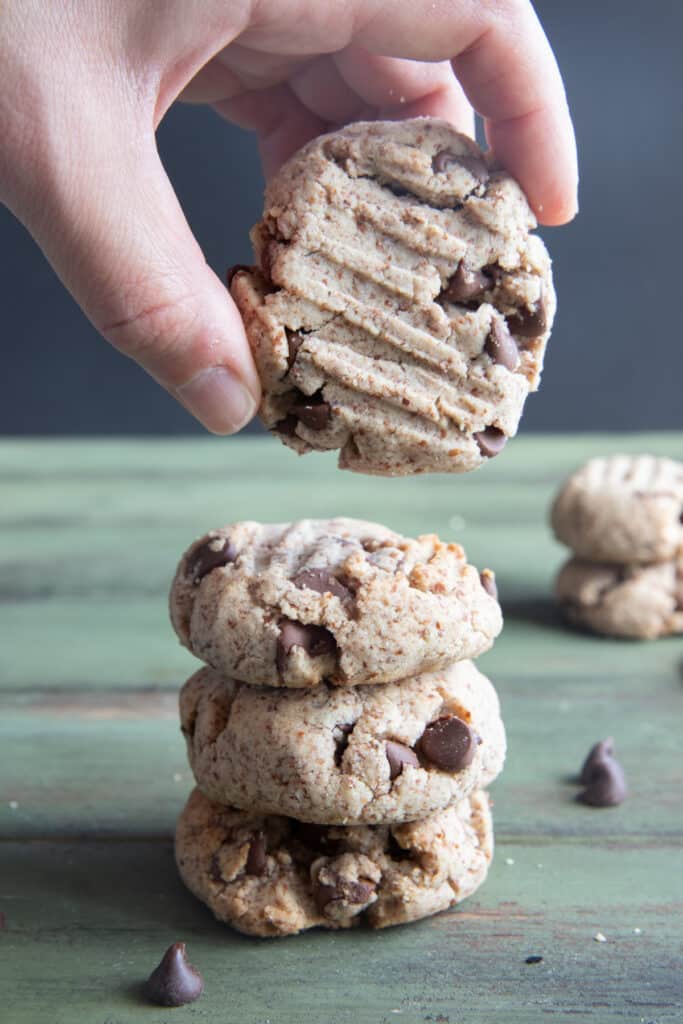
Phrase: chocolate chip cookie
[639,601]
[345,755]
[400,308]
[340,600]
[274,876]
[623,509]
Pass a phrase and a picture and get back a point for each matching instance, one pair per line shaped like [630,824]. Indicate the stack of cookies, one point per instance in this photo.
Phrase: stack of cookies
[622,516]
[339,734]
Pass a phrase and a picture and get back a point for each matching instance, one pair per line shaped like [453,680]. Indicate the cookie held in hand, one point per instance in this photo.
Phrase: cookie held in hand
[399,308]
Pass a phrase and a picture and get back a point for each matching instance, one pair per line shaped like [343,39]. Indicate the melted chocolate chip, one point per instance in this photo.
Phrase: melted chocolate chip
[445,159]
[315,838]
[605,785]
[313,412]
[491,441]
[236,268]
[449,743]
[488,582]
[175,981]
[598,752]
[341,889]
[529,323]
[216,552]
[501,346]
[256,858]
[465,285]
[315,640]
[534,960]
[294,342]
[323,582]
[399,755]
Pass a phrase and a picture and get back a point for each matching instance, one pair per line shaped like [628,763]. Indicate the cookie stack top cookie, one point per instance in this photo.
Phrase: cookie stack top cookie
[341,600]
[400,306]
[622,516]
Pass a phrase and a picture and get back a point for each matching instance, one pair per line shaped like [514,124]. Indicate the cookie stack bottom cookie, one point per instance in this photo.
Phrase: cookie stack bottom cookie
[269,875]
[321,803]
[622,517]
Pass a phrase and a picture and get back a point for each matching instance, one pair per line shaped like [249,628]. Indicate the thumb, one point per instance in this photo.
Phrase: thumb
[108,220]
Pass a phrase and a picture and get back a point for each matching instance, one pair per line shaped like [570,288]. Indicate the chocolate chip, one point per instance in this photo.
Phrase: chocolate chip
[236,268]
[598,752]
[256,858]
[287,426]
[175,981]
[316,838]
[534,960]
[488,582]
[323,582]
[215,870]
[449,743]
[465,285]
[606,784]
[491,441]
[313,412]
[315,640]
[444,160]
[529,323]
[501,346]
[216,552]
[294,342]
[341,889]
[395,850]
[341,734]
[398,755]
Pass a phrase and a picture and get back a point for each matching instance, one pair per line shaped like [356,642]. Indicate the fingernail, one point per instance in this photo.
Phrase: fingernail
[217,398]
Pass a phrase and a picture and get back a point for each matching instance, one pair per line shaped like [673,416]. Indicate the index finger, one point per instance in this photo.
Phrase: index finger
[503,60]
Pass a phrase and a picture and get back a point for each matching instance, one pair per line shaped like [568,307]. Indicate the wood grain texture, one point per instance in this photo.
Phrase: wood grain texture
[93,771]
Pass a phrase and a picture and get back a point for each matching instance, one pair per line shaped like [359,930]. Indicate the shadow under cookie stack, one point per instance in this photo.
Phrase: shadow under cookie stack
[622,518]
[340,736]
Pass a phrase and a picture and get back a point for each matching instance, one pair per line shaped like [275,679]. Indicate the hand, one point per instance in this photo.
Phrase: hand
[86,83]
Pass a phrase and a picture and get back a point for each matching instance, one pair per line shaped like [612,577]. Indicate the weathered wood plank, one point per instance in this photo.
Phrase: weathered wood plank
[86,922]
[89,535]
[108,763]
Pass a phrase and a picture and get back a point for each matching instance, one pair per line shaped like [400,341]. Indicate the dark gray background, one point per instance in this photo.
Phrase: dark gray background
[616,357]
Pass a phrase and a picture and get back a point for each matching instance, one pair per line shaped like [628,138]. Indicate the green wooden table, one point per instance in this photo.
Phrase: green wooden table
[93,771]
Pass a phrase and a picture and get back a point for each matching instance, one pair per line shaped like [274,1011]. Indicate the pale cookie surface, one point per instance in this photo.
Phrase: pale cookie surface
[624,508]
[400,308]
[336,600]
[359,755]
[642,602]
[274,876]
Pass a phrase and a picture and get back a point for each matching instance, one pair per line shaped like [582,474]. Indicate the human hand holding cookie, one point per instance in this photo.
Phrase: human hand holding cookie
[79,165]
